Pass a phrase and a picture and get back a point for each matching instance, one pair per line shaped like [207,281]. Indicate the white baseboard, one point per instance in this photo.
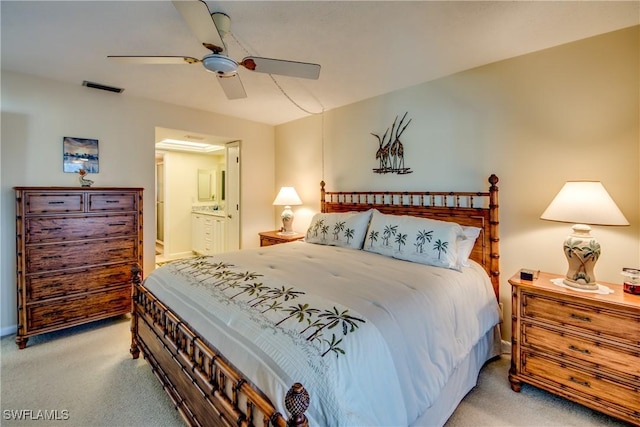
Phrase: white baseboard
[9,330]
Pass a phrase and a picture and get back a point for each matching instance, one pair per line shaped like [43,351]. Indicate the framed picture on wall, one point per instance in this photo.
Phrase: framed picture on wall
[79,153]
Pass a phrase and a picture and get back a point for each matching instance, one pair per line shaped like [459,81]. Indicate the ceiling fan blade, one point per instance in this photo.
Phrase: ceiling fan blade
[198,17]
[232,86]
[304,70]
[154,59]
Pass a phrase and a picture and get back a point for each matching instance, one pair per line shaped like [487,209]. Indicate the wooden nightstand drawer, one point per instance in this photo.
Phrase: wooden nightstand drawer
[268,238]
[616,324]
[597,354]
[265,241]
[618,397]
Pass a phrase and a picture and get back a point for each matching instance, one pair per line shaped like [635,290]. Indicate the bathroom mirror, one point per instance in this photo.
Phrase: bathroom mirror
[205,185]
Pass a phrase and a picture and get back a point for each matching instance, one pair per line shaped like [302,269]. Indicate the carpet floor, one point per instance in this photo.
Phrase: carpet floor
[85,377]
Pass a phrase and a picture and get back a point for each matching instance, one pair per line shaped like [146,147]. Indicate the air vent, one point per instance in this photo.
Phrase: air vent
[102,87]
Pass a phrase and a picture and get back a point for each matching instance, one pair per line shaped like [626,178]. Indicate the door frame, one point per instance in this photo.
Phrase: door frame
[233,195]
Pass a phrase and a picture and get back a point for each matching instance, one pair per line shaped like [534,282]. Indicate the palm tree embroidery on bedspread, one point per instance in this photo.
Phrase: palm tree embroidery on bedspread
[283,307]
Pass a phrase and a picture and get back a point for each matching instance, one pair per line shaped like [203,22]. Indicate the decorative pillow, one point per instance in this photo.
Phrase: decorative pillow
[422,240]
[465,245]
[347,230]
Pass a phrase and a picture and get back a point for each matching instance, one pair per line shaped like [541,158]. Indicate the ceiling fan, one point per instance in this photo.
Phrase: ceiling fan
[210,28]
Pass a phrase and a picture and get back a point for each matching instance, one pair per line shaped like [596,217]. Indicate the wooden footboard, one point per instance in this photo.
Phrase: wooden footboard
[204,387]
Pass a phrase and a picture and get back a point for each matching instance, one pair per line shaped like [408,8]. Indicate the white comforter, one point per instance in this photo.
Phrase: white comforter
[402,327]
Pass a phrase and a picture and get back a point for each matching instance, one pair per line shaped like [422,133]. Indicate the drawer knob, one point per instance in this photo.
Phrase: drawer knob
[582,318]
[577,381]
[579,350]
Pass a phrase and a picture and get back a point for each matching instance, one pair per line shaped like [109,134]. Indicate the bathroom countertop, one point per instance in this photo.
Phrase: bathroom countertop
[210,212]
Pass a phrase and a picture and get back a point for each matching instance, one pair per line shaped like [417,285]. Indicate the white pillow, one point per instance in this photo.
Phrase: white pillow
[465,245]
[422,240]
[339,229]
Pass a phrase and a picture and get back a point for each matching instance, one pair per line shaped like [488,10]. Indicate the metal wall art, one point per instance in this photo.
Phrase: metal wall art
[390,152]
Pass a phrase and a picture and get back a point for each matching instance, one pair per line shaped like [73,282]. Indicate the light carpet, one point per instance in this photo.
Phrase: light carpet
[85,377]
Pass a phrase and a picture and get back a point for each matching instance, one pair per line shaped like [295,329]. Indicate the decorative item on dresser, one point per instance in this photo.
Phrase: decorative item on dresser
[584,346]
[268,238]
[75,251]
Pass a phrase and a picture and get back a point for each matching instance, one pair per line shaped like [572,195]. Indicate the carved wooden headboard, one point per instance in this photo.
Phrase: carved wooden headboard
[477,209]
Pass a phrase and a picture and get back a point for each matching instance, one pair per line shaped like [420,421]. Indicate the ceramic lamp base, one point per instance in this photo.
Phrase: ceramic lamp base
[587,286]
[287,221]
[582,252]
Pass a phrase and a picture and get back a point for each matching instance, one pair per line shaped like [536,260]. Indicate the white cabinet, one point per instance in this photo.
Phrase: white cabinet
[208,234]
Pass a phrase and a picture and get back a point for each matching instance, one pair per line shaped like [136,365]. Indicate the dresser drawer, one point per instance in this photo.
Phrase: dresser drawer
[616,396]
[51,229]
[265,241]
[588,350]
[40,258]
[67,283]
[79,309]
[43,203]
[109,202]
[621,326]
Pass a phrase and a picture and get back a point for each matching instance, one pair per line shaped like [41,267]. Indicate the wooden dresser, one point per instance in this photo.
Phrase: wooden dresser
[75,250]
[582,346]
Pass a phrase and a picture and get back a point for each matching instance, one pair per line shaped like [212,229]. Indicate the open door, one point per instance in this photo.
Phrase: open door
[232,202]
[159,205]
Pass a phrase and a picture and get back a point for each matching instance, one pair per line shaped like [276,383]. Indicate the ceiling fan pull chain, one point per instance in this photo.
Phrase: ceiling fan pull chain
[247,53]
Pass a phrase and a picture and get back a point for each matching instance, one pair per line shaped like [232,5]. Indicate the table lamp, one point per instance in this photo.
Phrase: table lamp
[287,197]
[583,203]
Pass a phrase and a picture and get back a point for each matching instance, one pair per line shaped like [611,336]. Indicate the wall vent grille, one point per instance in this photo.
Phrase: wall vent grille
[94,85]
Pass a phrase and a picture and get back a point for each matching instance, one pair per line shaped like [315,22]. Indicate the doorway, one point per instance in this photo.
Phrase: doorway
[179,167]
[233,195]
[159,204]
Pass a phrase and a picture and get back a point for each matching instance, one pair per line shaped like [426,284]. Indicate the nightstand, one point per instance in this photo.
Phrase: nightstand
[268,238]
[582,346]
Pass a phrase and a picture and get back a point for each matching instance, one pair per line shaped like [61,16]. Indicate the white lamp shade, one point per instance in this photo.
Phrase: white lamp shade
[584,202]
[287,196]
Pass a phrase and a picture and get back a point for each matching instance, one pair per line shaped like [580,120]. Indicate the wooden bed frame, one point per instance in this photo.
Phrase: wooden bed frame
[208,390]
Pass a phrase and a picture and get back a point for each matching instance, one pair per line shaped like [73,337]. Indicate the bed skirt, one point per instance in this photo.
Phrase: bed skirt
[462,381]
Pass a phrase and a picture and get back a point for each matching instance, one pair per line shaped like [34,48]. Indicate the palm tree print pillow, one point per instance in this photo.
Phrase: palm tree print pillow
[339,229]
[422,240]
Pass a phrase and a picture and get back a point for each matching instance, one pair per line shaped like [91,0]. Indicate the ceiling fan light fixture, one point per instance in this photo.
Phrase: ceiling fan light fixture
[220,64]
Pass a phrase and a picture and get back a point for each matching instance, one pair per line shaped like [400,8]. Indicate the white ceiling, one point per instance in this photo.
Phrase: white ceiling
[365,48]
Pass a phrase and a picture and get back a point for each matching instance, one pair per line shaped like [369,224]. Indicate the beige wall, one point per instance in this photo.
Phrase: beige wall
[37,113]
[566,113]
